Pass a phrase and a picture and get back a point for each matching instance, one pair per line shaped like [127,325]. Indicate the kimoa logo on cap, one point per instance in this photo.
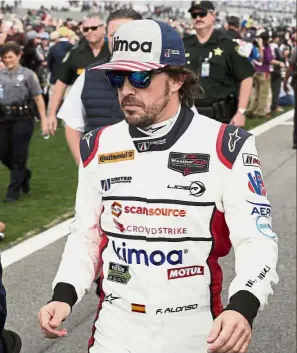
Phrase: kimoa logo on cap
[134,45]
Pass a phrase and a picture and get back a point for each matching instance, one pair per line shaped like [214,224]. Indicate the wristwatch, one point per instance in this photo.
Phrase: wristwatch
[241,110]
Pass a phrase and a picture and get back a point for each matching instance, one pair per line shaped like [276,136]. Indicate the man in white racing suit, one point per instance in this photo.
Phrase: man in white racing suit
[161,196]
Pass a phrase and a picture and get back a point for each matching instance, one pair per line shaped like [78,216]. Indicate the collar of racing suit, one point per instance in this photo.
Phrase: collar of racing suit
[162,136]
[161,128]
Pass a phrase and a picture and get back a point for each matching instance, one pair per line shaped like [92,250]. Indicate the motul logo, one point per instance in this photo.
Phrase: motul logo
[182,272]
[124,45]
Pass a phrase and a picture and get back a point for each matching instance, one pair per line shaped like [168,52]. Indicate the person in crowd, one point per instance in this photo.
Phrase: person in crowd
[92,102]
[262,83]
[276,73]
[57,53]
[233,30]
[19,87]
[292,72]
[90,49]
[31,57]
[225,75]
[12,33]
[140,279]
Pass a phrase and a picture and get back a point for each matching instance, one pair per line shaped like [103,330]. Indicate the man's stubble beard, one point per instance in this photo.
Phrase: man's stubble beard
[151,112]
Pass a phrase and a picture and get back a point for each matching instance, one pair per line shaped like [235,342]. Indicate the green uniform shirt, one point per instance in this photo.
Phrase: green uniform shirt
[77,59]
[221,65]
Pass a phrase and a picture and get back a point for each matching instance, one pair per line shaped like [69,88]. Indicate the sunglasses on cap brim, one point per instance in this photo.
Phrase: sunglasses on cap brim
[138,79]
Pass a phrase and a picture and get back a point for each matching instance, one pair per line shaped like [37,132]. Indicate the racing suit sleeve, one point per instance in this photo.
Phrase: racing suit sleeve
[80,261]
[247,213]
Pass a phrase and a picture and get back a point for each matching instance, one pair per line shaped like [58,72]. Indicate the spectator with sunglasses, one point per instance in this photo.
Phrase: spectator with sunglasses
[225,75]
[90,49]
[92,102]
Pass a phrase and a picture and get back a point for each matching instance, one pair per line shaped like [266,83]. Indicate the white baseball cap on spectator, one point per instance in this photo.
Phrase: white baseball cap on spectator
[43,35]
[31,35]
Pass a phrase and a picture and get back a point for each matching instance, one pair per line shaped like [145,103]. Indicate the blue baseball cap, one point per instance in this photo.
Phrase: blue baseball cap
[145,45]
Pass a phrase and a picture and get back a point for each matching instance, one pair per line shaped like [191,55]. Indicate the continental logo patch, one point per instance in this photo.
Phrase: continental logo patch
[116,157]
[138,308]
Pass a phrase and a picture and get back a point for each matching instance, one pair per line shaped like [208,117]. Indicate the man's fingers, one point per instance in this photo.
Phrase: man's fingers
[215,331]
[223,337]
[48,335]
[56,321]
[245,346]
[45,318]
[237,339]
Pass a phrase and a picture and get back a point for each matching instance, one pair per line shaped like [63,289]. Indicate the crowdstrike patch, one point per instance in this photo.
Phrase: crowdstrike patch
[138,229]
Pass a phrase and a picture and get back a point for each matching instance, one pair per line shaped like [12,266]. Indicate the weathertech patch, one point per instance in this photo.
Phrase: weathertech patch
[138,308]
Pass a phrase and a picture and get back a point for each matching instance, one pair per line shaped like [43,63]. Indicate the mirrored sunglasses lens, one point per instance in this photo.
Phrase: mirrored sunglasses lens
[115,79]
[140,79]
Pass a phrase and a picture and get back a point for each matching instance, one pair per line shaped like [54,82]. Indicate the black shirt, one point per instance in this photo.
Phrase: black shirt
[227,68]
[55,57]
[233,34]
[77,59]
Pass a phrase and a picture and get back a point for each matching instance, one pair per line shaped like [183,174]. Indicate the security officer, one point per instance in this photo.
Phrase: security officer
[19,86]
[92,102]
[90,49]
[225,75]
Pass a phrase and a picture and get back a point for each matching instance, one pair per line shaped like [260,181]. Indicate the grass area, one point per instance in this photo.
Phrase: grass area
[251,123]
[53,188]
[54,182]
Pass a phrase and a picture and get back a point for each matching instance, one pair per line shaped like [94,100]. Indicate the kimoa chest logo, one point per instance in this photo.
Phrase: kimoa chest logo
[134,45]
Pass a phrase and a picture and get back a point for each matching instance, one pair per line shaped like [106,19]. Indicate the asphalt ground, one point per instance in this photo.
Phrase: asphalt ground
[28,282]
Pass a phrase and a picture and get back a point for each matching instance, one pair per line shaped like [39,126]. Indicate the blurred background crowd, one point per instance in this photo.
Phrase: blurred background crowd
[266,25]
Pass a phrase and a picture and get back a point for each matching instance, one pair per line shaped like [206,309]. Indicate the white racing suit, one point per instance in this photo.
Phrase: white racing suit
[153,215]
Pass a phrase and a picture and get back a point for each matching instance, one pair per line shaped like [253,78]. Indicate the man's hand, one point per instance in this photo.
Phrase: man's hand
[50,317]
[231,333]
[286,87]
[44,126]
[52,124]
[238,120]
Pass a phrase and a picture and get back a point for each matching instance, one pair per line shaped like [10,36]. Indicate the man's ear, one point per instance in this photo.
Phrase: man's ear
[177,82]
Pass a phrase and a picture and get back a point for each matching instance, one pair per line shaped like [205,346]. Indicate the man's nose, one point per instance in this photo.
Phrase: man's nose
[127,88]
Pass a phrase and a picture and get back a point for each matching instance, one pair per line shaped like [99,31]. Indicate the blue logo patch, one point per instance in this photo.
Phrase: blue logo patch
[105,184]
[256,183]
[264,227]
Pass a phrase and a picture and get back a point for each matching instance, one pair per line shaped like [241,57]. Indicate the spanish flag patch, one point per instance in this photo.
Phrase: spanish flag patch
[138,308]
